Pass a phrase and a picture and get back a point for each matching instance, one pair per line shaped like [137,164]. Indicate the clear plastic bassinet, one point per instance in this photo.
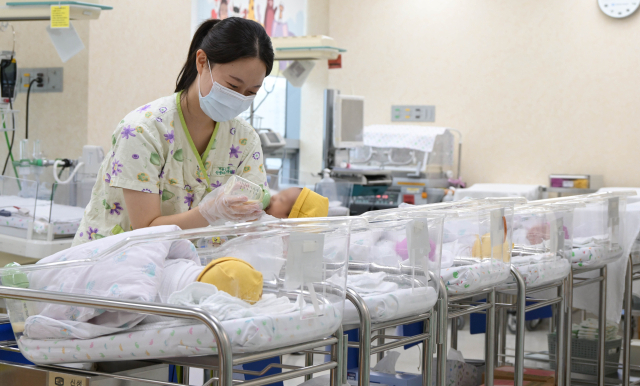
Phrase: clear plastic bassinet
[598,228]
[284,285]
[40,210]
[393,264]
[476,249]
[476,243]
[542,241]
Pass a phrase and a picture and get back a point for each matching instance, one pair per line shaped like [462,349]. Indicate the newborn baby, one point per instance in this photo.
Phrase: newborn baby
[234,276]
[297,203]
[229,274]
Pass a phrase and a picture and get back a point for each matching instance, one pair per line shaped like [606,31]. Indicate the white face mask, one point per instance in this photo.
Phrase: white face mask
[222,103]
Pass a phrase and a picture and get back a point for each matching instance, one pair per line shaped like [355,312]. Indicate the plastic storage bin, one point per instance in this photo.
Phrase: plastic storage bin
[588,349]
[394,263]
[302,264]
[542,240]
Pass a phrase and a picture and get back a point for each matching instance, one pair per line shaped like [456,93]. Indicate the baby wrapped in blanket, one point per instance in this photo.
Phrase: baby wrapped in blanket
[148,272]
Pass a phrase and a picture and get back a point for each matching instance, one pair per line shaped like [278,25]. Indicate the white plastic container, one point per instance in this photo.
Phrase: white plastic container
[238,186]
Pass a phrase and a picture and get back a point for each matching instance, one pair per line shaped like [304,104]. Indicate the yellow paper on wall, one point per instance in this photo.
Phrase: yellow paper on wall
[60,16]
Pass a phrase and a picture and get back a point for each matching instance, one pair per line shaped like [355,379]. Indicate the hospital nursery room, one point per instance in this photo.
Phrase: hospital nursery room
[319,193]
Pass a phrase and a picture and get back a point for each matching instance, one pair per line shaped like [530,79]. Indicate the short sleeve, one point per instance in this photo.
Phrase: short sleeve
[136,158]
[252,167]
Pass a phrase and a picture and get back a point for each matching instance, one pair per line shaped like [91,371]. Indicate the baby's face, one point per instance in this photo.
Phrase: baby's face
[281,204]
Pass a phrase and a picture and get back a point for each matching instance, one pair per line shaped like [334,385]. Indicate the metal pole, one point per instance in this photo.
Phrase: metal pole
[569,328]
[454,333]
[490,342]
[602,325]
[560,330]
[626,359]
[336,356]
[364,354]
[504,320]
[185,375]
[380,343]
[308,361]
[441,349]
[225,359]
[520,309]
[343,366]
[427,350]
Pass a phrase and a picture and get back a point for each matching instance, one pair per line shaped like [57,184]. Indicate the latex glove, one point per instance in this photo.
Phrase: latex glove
[219,205]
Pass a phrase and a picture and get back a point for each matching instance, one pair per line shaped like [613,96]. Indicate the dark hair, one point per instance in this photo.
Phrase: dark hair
[225,41]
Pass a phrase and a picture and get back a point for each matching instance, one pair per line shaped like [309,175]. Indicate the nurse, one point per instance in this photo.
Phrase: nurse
[169,157]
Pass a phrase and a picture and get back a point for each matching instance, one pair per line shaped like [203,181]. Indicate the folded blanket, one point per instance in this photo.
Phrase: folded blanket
[589,329]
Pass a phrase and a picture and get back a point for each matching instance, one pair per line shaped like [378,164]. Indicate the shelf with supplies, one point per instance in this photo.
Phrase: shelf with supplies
[41,10]
[569,191]
[305,48]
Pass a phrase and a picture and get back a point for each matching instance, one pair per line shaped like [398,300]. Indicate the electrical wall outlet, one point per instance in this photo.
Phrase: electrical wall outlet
[51,76]
[406,113]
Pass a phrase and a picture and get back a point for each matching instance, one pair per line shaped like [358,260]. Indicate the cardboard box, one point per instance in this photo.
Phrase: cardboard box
[398,379]
[533,375]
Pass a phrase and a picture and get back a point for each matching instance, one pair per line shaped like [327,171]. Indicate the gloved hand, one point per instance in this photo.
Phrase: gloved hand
[219,205]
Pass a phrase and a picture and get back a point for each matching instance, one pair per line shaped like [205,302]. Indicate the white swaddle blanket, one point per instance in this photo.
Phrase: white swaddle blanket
[226,307]
[148,271]
[370,283]
[132,274]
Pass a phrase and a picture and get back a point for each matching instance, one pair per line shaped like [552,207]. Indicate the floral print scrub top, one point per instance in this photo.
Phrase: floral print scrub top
[152,151]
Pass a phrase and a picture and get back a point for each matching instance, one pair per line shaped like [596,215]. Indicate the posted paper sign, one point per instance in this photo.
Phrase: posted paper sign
[59,16]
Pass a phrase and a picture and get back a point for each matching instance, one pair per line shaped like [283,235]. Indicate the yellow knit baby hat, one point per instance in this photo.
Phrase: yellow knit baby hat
[235,277]
[310,204]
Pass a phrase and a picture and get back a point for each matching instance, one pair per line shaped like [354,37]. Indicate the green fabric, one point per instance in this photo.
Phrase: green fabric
[193,146]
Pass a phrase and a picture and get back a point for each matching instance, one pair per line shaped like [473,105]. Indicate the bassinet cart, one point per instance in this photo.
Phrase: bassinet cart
[542,237]
[391,282]
[65,313]
[598,222]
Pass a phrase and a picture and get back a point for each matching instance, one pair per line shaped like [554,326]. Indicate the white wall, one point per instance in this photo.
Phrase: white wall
[136,54]
[311,122]
[535,86]
[59,120]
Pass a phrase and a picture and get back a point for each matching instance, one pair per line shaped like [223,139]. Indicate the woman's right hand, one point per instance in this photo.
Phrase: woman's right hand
[219,205]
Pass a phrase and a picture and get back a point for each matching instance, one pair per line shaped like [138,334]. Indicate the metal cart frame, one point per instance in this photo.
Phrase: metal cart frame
[521,308]
[576,282]
[366,337]
[222,364]
[633,273]
[454,306]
